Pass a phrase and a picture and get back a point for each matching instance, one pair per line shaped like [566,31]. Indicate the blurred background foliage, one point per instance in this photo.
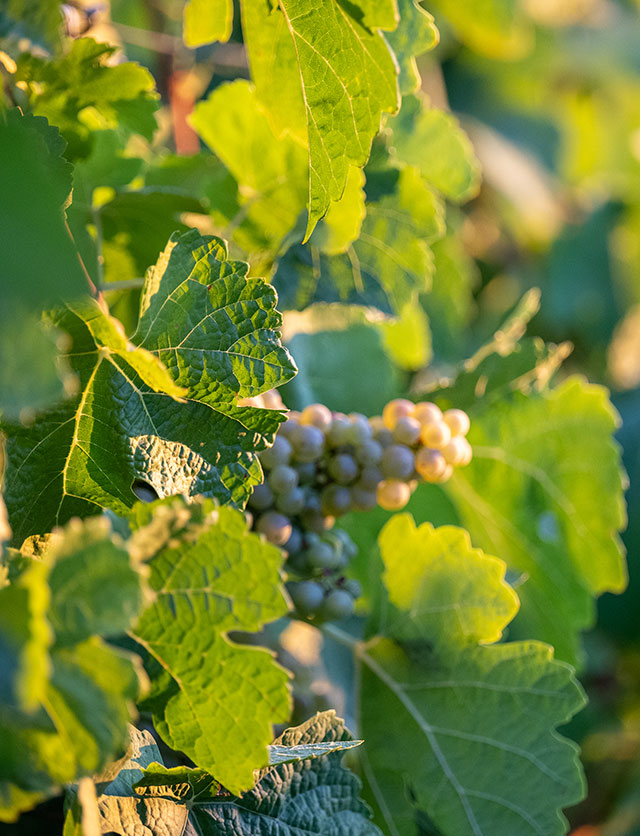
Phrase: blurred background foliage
[549,93]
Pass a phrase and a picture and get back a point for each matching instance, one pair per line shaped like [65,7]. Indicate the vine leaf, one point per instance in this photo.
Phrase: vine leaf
[433,142]
[342,72]
[415,34]
[215,331]
[536,451]
[206,21]
[36,183]
[464,701]
[66,697]
[211,698]
[270,172]
[307,791]
[384,267]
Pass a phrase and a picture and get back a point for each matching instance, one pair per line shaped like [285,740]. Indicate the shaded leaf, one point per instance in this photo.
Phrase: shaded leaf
[215,332]
[529,496]
[314,795]
[67,698]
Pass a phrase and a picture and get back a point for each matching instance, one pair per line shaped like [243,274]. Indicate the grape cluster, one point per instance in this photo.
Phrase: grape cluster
[324,464]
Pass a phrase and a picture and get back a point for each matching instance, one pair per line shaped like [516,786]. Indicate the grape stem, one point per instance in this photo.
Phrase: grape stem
[342,637]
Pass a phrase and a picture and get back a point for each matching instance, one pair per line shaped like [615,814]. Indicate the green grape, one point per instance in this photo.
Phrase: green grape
[436,435]
[336,500]
[398,408]
[282,479]
[279,453]
[317,415]
[348,546]
[261,498]
[458,451]
[288,428]
[316,521]
[307,596]
[321,555]
[370,478]
[431,465]
[338,433]
[363,500]
[295,542]
[369,452]
[359,429]
[392,495]
[306,472]
[407,431]
[353,587]
[457,421]
[427,413]
[308,443]
[343,468]
[292,502]
[275,527]
[337,604]
[397,462]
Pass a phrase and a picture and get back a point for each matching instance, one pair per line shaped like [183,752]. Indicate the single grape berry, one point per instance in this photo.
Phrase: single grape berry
[343,468]
[288,428]
[363,500]
[279,453]
[353,587]
[275,527]
[360,428]
[292,502]
[407,430]
[398,408]
[369,452]
[308,443]
[317,415]
[339,431]
[458,451]
[370,478]
[427,413]
[282,479]
[430,464]
[457,421]
[306,472]
[397,462]
[336,500]
[307,596]
[321,555]
[435,435]
[337,604]
[295,542]
[392,495]
[261,498]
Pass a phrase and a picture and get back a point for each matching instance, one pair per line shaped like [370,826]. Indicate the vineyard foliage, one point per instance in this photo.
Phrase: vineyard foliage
[299,224]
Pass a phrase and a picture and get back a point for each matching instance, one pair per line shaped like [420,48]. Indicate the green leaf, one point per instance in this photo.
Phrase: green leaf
[415,34]
[35,182]
[38,20]
[347,77]
[377,14]
[67,697]
[407,338]
[527,496]
[472,762]
[342,224]
[495,28]
[384,267]
[215,331]
[302,794]
[215,700]
[270,171]
[79,91]
[433,142]
[206,21]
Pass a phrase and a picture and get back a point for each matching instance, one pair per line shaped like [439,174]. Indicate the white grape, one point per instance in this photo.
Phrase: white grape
[457,421]
[317,415]
[407,430]
[435,435]
[275,527]
[392,494]
[398,408]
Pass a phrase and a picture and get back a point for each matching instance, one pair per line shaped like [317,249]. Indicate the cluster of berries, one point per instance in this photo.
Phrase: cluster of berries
[324,464]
